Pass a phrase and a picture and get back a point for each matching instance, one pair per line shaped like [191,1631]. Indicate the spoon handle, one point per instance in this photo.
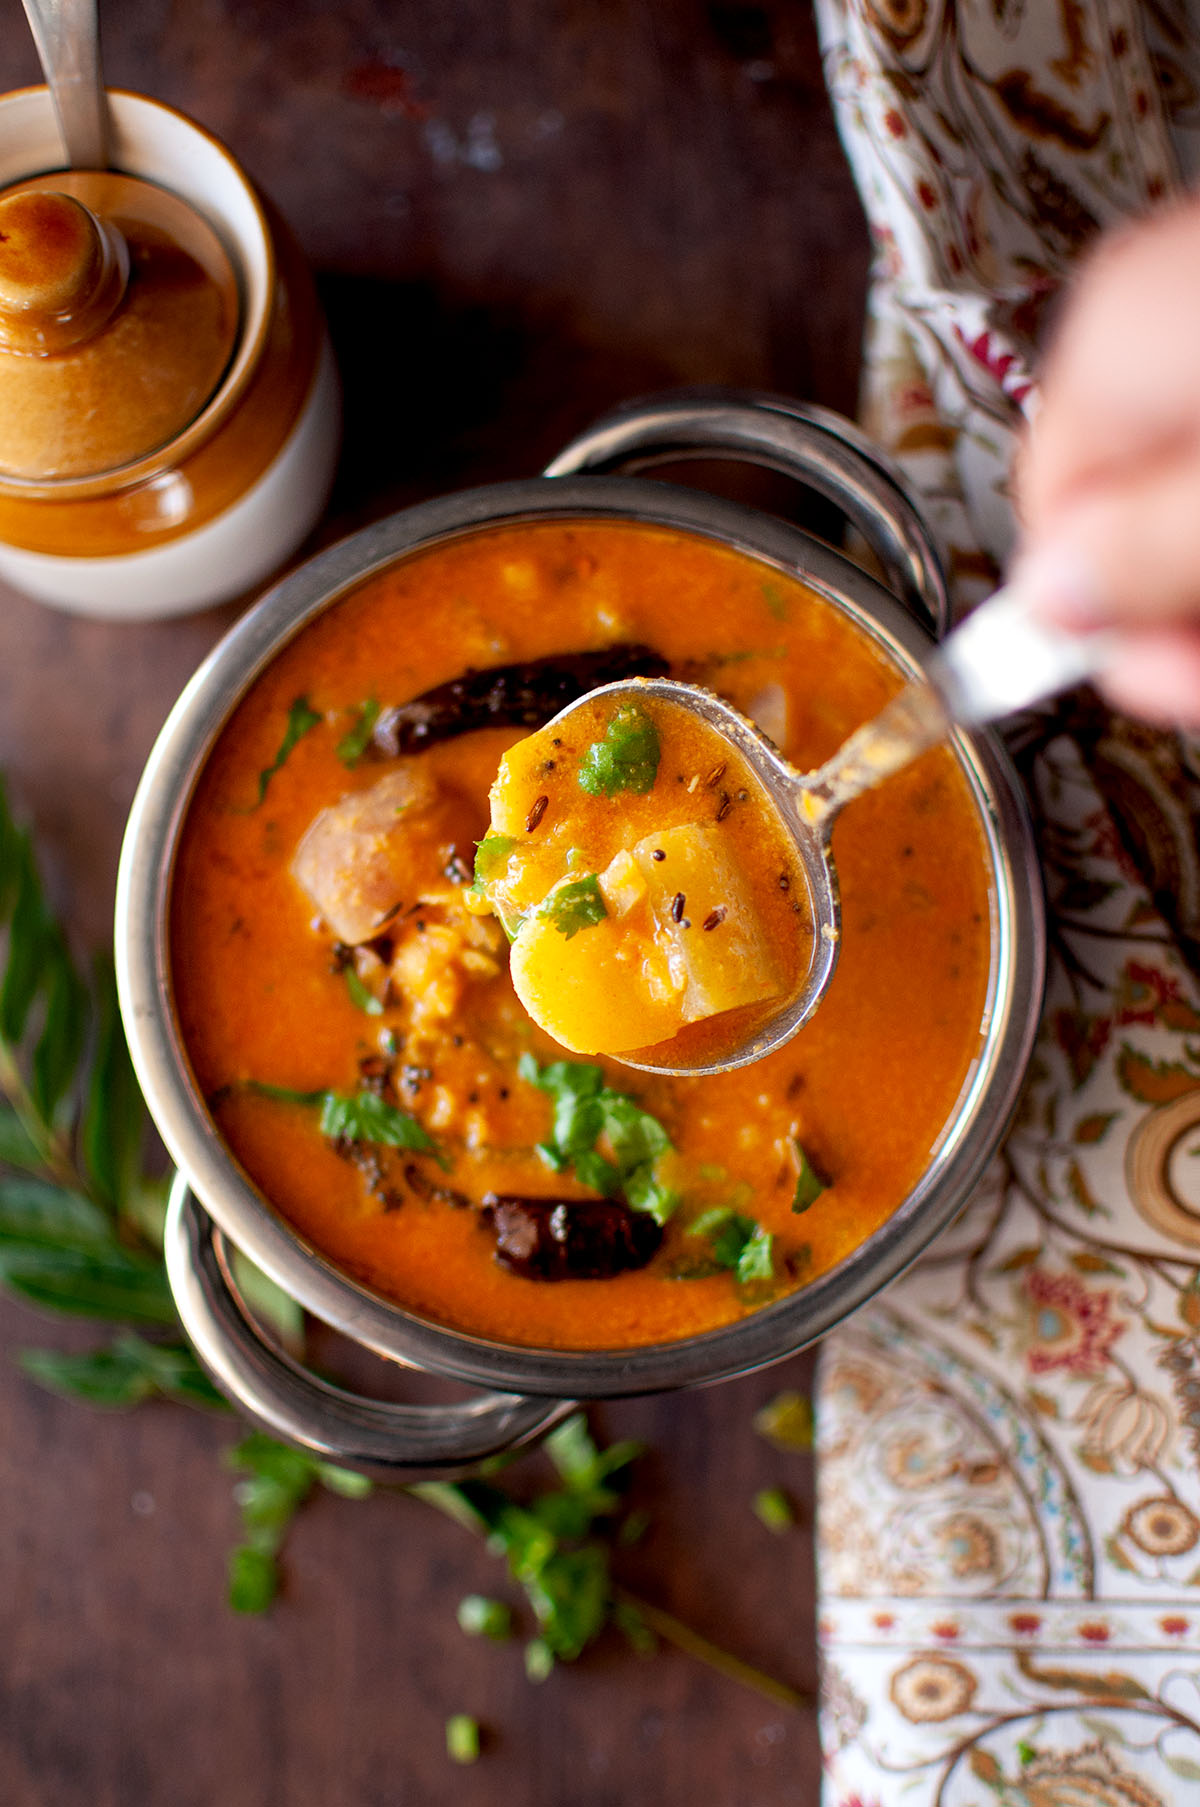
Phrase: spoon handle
[67,35]
[1004,657]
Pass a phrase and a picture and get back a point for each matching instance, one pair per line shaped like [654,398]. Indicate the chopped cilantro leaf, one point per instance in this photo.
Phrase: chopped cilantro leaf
[366,1117]
[626,759]
[574,905]
[360,996]
[490,854]
[301,719]
[773,1507]
[736,1241]
[354,742]
[755,1261]
[357,1116]
[809,1184]
[462,1738]
[585,1110]
[480,1617]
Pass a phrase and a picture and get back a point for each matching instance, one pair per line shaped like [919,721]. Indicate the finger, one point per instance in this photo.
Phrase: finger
[1127,554]
[1121,383]
[1155,674]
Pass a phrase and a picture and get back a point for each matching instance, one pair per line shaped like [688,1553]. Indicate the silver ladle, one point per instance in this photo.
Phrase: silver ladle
[67,35]
[1000,659]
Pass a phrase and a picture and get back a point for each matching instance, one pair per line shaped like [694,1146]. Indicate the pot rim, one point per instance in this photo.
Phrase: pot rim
[772,1332]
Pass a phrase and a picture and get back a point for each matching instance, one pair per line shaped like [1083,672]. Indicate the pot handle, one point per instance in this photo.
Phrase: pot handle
[397,1443]
[816,446]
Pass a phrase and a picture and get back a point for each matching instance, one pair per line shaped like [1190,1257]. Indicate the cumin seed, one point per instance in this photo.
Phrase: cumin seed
[677,903]
[715,776]
[714,917]
[726,806]
[536,813]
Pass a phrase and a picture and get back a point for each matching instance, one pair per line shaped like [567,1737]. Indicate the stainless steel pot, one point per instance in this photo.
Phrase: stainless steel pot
[214,1205]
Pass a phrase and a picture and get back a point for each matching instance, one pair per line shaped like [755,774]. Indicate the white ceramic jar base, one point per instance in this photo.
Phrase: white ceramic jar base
[218,561]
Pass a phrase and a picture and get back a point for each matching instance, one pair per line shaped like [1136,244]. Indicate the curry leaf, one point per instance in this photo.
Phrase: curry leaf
[113,1128]
[34,1212]
[60,1044]
[17,1147]
[29,927]
[111,1283]
[301,720]
[124,1374]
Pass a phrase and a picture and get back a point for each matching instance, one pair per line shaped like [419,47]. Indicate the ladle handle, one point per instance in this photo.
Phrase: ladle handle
[814,445]
[67,35]
[390,1442]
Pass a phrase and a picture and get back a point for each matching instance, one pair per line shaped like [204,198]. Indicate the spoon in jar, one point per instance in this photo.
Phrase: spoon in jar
[67,35]
[1002,658]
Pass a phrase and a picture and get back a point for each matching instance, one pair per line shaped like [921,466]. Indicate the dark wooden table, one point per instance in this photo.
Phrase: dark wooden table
[519,215]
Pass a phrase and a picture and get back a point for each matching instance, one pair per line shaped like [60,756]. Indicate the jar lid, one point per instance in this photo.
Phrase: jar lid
[118,317]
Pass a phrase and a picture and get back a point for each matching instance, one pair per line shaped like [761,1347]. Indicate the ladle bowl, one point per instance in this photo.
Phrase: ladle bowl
[1002,658]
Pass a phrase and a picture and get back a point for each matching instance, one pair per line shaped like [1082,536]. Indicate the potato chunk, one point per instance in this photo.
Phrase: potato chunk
[650,965]
[356,861]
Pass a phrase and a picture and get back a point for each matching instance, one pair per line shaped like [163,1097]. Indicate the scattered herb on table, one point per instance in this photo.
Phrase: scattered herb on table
[277,1483]
[626,759]
[480,1617]
[574,905]
[301,720]
[462,1738]
[588,1112]
[357,738]
[787,1422]
[773,1508]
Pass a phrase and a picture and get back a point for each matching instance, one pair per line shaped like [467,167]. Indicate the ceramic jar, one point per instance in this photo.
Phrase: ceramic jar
[166,441]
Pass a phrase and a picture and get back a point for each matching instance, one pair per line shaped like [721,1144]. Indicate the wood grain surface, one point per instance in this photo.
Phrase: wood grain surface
[519,214]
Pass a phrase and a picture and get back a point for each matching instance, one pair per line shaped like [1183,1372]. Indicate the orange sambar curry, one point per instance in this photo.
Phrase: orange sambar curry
[350,1019]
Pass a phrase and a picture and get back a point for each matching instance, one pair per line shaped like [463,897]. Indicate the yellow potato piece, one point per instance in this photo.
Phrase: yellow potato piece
[650,966]
[590,992]
[730,962]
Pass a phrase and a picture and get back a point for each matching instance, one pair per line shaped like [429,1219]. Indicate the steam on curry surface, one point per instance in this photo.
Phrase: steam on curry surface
[350,1016]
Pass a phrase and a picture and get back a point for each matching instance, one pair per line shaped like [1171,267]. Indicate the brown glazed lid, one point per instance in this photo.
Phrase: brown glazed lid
[118,318]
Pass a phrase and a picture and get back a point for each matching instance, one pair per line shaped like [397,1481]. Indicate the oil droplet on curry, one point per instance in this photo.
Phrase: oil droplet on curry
[346,997]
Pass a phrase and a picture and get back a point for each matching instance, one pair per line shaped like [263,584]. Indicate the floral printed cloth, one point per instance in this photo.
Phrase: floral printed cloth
[1009,1439]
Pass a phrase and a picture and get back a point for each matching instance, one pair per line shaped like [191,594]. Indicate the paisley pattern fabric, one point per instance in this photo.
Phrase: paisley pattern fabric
[1009,1440]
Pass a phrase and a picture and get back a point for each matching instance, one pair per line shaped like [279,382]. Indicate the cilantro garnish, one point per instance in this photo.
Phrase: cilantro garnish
[775,600]
[626,759]
[809,1184]
[356,1116]
[737,1242]
[586,1110]
[576,904]
[490,855]
[360,997]
[354,742]
[301,720]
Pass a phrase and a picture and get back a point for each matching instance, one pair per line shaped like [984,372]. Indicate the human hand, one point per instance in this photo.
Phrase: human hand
[1108,481]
